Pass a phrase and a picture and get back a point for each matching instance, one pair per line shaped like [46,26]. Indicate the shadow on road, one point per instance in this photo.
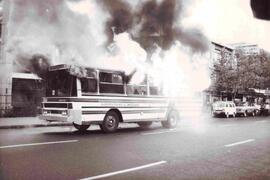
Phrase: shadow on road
[99,132]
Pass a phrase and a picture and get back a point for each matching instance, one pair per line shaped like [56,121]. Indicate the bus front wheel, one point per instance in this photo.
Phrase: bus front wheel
[110,122]
[172,120]
[81,127]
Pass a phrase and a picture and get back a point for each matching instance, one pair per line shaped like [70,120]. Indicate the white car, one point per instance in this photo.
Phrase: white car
[226,108]
[246,109]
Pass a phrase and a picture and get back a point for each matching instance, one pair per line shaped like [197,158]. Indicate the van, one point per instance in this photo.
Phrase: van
[226,108]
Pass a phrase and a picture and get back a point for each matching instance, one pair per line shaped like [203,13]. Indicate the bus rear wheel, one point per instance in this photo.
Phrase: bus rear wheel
[110,122]
[81,128]
[172,120]
[145,125]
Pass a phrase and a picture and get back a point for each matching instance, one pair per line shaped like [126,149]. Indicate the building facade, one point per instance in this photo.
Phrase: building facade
[231,52]
[246,48]
[20,93]
[5,63]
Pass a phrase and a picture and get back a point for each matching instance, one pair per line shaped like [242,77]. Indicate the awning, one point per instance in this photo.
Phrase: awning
[25,76]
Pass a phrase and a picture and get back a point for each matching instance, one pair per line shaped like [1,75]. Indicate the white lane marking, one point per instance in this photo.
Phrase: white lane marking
[124,171]
[263,121]
[228,125]
[37,144]
[238,143]
[161,132]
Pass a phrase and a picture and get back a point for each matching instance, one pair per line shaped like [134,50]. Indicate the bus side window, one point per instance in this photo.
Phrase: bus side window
[105,77]
[89,85]
[137,89]
[111,83]
[153,88]
[116,78]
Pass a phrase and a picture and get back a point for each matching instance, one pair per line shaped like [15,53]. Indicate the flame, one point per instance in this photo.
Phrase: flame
[179,71]
[73,32]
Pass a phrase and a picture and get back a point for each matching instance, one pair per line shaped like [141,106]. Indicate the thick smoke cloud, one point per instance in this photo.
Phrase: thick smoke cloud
[52,32]
[158,19]
[154,22]
[51,29]
[121,19]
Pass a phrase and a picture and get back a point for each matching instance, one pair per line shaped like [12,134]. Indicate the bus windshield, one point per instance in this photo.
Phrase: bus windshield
[60,83]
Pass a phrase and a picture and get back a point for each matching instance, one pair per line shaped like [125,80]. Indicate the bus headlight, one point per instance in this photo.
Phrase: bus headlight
[45,112]
[64,112]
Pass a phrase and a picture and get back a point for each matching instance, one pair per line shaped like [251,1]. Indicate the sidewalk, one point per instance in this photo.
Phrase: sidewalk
[27,122]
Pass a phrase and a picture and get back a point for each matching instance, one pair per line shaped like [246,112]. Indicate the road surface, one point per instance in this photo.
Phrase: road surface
[199,148]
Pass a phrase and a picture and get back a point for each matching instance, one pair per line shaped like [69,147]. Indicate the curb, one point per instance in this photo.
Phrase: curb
[33,126]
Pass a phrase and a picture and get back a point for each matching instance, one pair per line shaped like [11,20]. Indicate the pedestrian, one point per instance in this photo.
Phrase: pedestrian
[267,108]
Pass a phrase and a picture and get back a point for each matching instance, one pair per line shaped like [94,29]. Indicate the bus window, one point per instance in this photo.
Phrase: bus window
[91,73]
[60,83]
[154,89]
[89,85]
[116,78]
[111,83]
[137,90]
[105,77]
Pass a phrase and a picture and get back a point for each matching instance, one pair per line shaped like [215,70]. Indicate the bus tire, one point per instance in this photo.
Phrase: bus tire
[145,125]
[81,128]
[172,120]
[110,122]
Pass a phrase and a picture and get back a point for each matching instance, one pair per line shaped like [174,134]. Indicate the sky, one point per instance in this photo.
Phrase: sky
[229,21]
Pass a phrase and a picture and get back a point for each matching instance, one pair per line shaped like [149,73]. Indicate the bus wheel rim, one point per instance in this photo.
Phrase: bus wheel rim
[111,121]
[173,120]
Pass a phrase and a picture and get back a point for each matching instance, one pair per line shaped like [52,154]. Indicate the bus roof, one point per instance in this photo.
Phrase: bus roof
[75,67]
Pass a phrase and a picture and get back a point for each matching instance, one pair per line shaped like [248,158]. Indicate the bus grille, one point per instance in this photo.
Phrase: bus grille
[58,105]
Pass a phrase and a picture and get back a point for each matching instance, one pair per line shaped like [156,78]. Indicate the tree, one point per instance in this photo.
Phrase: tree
[224,74]
[254,70]
[241,73]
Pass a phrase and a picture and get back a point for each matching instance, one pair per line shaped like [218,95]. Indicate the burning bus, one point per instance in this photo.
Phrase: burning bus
[86,96]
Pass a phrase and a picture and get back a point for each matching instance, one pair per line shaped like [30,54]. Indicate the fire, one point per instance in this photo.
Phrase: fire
[114,35]
[181,72]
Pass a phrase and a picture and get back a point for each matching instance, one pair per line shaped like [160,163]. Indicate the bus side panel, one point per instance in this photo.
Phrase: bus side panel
[75,116]
[93,114]
[143,114]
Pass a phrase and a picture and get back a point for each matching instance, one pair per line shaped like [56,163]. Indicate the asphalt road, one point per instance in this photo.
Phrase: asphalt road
[199,148]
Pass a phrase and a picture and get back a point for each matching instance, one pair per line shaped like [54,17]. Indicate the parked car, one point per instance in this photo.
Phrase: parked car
[226,108]
[246,109]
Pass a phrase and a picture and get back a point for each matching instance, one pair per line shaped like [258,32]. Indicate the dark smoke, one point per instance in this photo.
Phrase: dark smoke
[192,38]
[159,21]
[37,64]
[121,17]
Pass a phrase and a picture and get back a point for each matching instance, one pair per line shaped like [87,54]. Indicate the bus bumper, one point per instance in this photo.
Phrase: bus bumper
[56,118]
[69,116]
